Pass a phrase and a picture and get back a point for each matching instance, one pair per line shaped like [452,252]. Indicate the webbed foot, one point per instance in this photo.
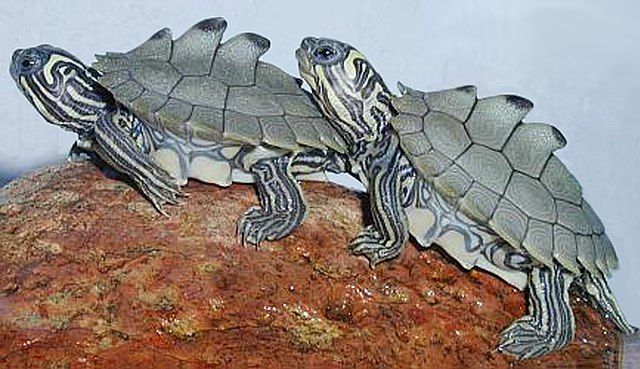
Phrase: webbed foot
[370,244]
[282,207]
[550,325]
[524,340]
[259,224]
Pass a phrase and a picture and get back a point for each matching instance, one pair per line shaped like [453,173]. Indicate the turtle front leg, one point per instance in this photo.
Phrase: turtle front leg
[550,324]
[282,207]
[114,145]
[386,238]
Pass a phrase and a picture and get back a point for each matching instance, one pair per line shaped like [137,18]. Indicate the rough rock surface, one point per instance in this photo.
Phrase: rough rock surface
[92,277]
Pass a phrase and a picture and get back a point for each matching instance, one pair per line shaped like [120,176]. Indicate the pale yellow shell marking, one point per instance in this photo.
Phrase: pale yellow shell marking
[210,171]
[168,160]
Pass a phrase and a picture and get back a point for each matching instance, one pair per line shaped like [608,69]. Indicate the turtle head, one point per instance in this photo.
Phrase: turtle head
[346,87]
[62,89]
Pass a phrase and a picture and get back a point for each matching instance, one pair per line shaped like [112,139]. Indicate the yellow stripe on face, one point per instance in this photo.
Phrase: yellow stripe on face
[75,95]
[67,109]
[36,101]
[349,64]
[48,68]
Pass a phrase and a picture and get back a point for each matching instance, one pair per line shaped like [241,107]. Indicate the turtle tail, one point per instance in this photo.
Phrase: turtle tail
[602,298]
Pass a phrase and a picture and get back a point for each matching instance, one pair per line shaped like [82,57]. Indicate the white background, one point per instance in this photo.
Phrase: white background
[577,60]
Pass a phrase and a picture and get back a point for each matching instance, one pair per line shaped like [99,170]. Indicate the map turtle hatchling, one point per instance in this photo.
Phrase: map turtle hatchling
[469,175]
[193,107]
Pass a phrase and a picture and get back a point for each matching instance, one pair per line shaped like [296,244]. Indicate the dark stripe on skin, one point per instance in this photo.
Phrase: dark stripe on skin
[550,324]
[57,89]
[353,105]
[602,298]
[117,148]
[387,238]
[51,106]
[282,207]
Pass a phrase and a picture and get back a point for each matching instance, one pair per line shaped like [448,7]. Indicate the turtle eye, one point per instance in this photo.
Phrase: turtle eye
[27,63]
[325,54]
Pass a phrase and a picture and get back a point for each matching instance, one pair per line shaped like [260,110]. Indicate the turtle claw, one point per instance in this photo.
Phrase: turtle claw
[165,192]
[524,340]
[259,225]
[370,244]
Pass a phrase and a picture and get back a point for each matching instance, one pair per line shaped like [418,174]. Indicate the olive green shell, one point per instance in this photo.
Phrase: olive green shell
[502,173]
[197,87]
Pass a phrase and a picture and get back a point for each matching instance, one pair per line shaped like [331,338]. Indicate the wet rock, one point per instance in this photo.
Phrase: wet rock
[92,277]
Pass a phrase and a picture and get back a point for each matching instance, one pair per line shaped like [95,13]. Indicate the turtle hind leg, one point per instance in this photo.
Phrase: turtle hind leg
[550,324]
[282,207]
[602,298]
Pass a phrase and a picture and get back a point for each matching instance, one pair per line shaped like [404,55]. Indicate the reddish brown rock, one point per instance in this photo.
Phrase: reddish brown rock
[93,277]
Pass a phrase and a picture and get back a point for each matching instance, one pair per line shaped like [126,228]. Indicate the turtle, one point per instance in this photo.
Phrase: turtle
[193,107]
[468,175]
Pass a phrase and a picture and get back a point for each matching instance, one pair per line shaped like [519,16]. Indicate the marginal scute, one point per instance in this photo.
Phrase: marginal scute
[509,222]
[193,52]
[493,119]
[586,253]
[157,47]
[610,255]
[128,91]
[531,145]
[148,103]
[110,63]
[242,128]
[565,249]
[205,91]
[407,123]
[539,241]
[415,144]
[446,134]
[479,202]
[173,114]
[304,131]
[573,217]
[594,219]
[299,105]
[254,101]
[236,60]
[206,124]
[329,136]
[277,133]
[110,80]
[560,182]
[531,197]
[155,75]
[453,183]
[432,163]
[486,166]
[601,254]
[410,102]
[456,102]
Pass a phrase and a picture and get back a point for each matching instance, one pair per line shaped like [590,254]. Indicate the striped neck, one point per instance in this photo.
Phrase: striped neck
[60,87]
[350,92]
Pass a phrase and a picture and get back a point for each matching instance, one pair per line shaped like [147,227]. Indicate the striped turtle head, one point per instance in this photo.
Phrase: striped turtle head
[346,87]
[59,86]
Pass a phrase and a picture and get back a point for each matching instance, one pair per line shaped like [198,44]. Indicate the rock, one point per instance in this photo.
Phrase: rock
[93,277]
